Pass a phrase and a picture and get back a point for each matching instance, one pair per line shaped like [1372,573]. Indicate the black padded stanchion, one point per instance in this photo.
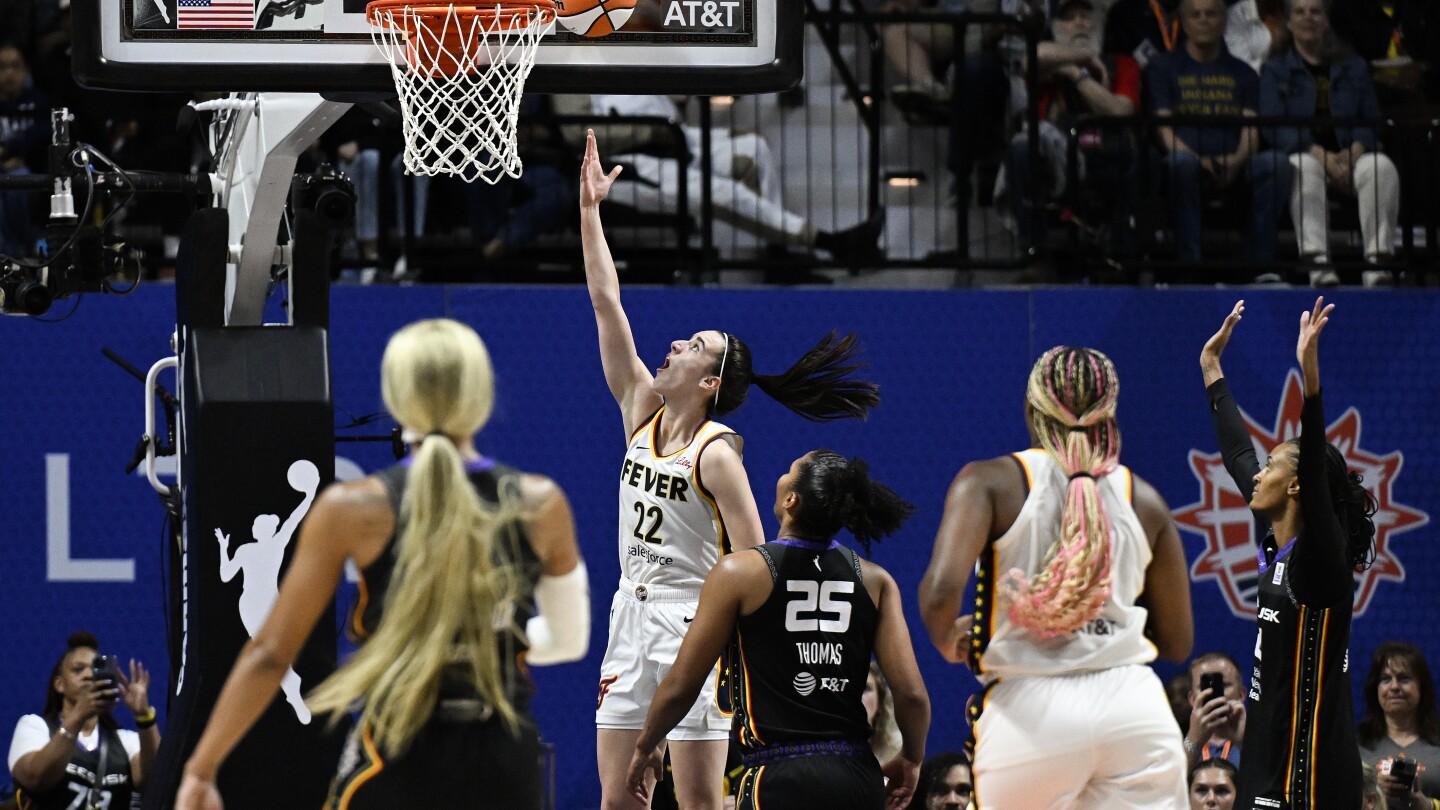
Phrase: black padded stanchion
[200,268]
[257,447]
[310,290]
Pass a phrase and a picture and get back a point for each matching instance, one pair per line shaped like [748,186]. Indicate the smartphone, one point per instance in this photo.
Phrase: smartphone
[1214,684]
[1403,770]
[106,669]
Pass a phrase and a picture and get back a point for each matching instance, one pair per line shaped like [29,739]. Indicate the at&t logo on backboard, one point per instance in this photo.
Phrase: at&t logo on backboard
[1222,516]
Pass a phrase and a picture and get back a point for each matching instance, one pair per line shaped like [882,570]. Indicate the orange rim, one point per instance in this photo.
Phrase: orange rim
[510,14]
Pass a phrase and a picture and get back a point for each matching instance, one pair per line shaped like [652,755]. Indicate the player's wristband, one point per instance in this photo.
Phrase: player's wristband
[68,734]
[145,720]
[1190,747]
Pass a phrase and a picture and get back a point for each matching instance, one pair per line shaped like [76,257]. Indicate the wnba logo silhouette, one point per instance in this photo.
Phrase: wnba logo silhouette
[1223,517]
[259,563]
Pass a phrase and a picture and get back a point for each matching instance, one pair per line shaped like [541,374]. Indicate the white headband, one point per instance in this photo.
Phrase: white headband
[723,356]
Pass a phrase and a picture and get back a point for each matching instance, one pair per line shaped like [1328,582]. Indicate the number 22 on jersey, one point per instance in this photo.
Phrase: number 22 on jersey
[647,523]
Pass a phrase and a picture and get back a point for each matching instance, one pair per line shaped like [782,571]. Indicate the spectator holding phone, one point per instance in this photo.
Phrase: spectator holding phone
[74,751]
[1217,710]
[1400,734]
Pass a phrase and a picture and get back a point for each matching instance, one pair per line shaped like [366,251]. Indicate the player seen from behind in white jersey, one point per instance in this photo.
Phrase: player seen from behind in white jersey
[1065,541]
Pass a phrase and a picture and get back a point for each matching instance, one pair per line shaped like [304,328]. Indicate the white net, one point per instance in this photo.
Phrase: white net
[460,72]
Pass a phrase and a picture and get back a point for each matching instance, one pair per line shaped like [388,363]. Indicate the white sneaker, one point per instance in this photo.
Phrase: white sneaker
[1324,278]
[1377,278]
[401,269]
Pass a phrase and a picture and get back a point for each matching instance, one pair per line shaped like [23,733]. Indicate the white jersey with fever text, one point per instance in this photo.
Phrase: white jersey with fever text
[1115,638]
[671,532]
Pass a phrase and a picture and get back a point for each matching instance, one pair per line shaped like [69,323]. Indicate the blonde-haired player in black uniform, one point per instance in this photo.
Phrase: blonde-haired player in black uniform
[803,615]
[684,501]
[1081,582]
[458,552]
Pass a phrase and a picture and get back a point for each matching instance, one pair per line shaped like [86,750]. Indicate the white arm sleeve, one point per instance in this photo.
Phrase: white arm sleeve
[561,632]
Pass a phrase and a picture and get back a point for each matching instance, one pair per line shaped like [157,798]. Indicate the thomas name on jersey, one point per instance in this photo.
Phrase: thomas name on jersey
[819,652]
[671,487]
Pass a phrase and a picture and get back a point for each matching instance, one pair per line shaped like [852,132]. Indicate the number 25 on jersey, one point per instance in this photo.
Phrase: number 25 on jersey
[816,608]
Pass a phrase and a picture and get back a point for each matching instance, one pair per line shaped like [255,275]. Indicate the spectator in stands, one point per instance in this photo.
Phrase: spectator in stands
[1217,721]
[1202,79]
[745,183]
[885,739]
[921,54]
[1143,29]
[1178,688]
[74,749]
[946,783]
[1401,721]
[1401,41]
[1075,82]
[1212,785]
[24,133]
[511,213]
[1311,73]
[352,144]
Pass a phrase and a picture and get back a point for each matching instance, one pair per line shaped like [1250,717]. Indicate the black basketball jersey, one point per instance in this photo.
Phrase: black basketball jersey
[1300,748]
[1300,712]
[81,773]
[800,661]
[512,548]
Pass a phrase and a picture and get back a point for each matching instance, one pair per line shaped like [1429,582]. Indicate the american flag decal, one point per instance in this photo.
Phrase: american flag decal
[216,14]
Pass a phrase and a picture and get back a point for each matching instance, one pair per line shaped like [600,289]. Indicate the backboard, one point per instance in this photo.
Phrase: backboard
[704,47]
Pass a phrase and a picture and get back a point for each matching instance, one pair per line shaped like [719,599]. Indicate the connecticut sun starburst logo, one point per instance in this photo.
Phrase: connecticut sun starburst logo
[1222,516]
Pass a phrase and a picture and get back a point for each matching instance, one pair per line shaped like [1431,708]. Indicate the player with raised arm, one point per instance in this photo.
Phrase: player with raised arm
[684,502]
[1301,750]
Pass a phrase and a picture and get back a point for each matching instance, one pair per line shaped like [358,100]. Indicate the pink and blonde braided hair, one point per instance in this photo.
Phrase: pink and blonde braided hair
[1072,395]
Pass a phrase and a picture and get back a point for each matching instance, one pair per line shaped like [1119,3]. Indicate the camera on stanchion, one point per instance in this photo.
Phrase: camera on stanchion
[22,293]
[327,192]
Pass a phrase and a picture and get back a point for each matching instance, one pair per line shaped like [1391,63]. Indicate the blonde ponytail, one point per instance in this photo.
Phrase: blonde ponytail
[1072,395]
[446,604]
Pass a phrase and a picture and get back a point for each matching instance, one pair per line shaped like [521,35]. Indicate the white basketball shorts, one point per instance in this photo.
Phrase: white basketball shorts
[647,625]
[1103,739]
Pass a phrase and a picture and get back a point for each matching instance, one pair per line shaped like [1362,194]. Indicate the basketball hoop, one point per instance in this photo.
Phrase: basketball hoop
[460,71]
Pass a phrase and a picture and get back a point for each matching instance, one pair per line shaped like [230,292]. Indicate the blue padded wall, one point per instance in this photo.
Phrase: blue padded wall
[952,366]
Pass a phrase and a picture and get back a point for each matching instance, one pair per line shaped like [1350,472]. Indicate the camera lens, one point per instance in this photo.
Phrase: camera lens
[25,296]
[335,205]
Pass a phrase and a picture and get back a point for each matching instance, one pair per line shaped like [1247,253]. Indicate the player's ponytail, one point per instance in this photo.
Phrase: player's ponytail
[818,386]
[1071,399]
[447,590]
[836,493]
[1353,504]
